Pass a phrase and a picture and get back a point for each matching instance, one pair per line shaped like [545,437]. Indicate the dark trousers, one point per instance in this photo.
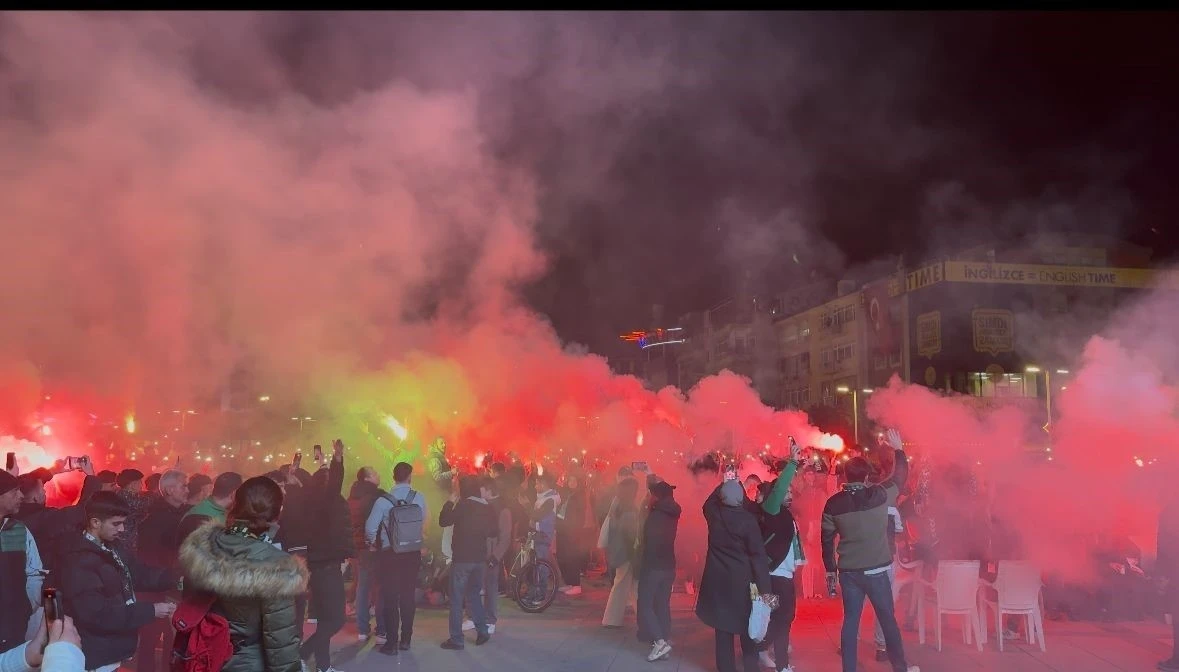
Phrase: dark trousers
[571,557]
[147,656]
[778,634]
[856,586]
[398,576]
[654,604]
[726,655]
[327,599]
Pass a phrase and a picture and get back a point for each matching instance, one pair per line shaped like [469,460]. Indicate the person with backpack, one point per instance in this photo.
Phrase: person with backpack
[238,609]
[395,529]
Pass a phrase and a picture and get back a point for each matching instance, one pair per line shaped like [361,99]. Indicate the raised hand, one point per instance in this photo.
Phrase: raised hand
[893,437]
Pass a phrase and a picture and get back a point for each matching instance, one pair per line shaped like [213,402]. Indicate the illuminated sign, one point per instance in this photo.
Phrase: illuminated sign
[994,330]
[929,334]
[924,277]
[650,339]
[1036,274]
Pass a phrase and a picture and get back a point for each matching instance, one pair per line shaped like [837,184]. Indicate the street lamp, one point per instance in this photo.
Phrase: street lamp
[183,415]
[301,421]
[844,389]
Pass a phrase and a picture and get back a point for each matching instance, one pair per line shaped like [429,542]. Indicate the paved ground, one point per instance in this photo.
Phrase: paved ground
[569,638]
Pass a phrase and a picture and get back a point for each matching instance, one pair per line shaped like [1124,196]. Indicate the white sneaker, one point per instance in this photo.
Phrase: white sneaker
[914,668]
[468,625]
[788,668]
[491,628]
[362,638]
[314,621]
[381,639]
[659,650]
[573,591]
[766,660]
[565,589]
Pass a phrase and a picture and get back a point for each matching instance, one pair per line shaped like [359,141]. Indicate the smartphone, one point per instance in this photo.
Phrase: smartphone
[10,462]
[317,453]
[639,466]
[730,472]
[52,604]
[298,459]
[70,464]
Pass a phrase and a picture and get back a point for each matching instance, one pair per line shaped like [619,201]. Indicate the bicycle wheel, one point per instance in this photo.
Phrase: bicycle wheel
[536,586]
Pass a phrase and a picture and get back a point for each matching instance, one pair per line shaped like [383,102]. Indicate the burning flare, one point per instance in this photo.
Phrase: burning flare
[397,427]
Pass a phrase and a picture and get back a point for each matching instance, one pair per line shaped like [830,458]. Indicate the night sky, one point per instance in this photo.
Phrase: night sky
[921,133]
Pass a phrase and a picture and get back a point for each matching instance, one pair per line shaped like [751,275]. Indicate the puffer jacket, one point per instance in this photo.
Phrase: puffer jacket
[256,585]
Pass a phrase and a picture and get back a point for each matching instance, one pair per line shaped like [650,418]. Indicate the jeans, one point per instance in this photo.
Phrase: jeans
[878,590]
[466,580]
[327,599]
[398,577]
[892,580]
[778,634]
[491,591]
[366,590]
[726,655]
[654,612]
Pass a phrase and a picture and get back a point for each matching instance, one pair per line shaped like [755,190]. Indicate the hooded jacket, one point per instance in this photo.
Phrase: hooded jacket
[104,607]
[256,585]
[736,558]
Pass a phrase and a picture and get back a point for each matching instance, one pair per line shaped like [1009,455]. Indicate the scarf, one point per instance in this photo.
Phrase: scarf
[128,586]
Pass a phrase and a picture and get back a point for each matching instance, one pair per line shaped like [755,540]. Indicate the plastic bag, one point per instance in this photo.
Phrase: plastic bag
[759,616]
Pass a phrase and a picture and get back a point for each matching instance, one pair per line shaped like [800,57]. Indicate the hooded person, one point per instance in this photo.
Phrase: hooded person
[131,491]
[657,568]
[21,575]
[254,582]
[736,558]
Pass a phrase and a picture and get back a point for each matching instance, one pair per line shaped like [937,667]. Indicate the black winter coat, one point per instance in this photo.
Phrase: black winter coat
[159,538]
[331,521]
[256,585]
[659,532]
[736,558]
[93,594]
[50,527]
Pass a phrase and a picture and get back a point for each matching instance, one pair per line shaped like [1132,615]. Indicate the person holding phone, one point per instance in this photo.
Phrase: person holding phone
[736,558]
[55,647]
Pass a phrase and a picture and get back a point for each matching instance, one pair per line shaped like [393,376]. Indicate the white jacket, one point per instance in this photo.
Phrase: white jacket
[59,657]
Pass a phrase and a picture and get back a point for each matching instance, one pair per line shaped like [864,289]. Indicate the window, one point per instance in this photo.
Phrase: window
[1005,385]
[805,332]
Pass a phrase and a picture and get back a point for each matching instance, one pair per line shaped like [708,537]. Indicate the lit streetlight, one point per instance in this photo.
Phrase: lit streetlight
[855,395]
[302,420]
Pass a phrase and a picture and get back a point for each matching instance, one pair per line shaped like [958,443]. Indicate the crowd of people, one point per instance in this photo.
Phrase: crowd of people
[126,571]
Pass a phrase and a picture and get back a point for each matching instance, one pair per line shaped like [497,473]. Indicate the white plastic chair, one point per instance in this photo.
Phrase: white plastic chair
[909,573]
[1019,591]
[955,593]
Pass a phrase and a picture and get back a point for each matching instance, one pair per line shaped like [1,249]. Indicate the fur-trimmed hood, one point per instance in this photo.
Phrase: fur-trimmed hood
[235,566]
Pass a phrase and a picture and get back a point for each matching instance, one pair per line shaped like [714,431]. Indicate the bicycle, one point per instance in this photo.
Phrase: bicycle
[533,581]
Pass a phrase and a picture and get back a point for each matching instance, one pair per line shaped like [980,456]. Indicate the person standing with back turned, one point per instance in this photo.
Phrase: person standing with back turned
[395,529]
[858,516]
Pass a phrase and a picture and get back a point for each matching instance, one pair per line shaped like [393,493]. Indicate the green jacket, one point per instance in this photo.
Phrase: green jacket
[209,509]
[256,585]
